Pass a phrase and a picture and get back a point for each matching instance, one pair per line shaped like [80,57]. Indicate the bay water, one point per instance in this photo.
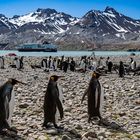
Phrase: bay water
[68,53]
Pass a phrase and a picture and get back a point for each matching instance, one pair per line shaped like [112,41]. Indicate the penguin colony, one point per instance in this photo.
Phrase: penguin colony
[52,102]
[53,96]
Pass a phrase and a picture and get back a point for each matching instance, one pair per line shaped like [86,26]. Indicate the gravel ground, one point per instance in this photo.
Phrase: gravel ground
[121,111]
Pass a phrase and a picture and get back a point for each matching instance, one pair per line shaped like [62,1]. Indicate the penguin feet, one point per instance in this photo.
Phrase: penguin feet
[8,133]
[13,129]
[95,118]
[58,127]
[46,125]
[104,122]
[89,120]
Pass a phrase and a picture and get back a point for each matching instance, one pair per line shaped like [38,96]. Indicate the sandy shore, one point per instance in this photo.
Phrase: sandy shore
[121,105]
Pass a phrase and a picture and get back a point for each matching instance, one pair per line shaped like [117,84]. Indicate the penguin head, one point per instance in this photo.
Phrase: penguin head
[14,81]
[55,77]
[96,74]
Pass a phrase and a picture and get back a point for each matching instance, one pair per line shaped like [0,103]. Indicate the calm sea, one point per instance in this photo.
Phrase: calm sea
[69,53]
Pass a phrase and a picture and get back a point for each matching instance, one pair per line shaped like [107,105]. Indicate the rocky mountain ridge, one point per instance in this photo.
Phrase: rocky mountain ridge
[101,30]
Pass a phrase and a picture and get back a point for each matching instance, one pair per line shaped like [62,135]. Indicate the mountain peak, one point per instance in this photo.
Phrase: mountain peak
[1,15]
[109,9]
[16,16]
[47,10]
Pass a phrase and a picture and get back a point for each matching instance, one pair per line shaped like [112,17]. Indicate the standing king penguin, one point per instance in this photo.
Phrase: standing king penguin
[1,62]
[95,97]
[19,62]
[7,99]
[52,102]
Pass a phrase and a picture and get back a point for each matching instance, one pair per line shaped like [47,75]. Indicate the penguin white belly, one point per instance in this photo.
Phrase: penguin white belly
[101,100]
[51,65]
[61,100]
[133,65]
[11,107]
[1,63]
[55,66]
[96,97]
[17,64]
[44,65]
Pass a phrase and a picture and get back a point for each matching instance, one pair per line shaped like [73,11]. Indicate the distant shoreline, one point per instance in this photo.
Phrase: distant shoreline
[71,53]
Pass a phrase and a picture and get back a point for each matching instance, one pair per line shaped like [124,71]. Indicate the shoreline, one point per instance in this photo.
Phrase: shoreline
[71,53]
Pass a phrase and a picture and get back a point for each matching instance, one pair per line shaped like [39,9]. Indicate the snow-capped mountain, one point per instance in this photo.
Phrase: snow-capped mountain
[44,20]
[5,24]
[95,27]
[102,27]
[109,22]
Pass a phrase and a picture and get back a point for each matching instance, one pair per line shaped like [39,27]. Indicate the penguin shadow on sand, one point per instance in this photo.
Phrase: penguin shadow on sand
[10,135]
[112,125]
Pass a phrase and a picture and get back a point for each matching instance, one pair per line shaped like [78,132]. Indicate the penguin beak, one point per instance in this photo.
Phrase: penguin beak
[61,76]
[21,83]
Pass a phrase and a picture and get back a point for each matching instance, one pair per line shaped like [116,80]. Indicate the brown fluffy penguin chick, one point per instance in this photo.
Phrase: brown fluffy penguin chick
[94,94]
[52,102]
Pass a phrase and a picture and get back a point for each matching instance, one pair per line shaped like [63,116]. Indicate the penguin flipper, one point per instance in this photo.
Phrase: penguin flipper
[6,107]
[85,93]
[58,104]
[4,113]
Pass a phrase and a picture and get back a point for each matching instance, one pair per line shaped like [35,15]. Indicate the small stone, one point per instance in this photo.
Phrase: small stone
[78,126]
[137,102]
[122,114]
[24,105]
[35,136]
[74,132]
[106,86]
[68,109]
[42,138]
[52,132]
[21,128]
[90,134]
[84,138]
[65,137]
[19,89]
[102,134]
[137,108]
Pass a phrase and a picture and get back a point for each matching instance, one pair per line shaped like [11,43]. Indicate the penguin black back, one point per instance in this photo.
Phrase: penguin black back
[121,69]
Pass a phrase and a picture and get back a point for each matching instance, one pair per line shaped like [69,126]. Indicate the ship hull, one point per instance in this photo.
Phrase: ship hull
[37,50]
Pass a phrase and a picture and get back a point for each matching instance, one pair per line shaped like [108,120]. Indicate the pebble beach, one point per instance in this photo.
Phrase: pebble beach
[121,104]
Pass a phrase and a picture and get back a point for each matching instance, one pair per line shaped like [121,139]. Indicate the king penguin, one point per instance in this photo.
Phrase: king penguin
[7,97]
[19,63]
[44,64]
[52,102]
[95,97]
[1,62]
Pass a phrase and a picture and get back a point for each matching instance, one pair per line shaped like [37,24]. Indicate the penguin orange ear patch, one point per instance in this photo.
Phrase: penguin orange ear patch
[52,78]
[94,74]
[10,80]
